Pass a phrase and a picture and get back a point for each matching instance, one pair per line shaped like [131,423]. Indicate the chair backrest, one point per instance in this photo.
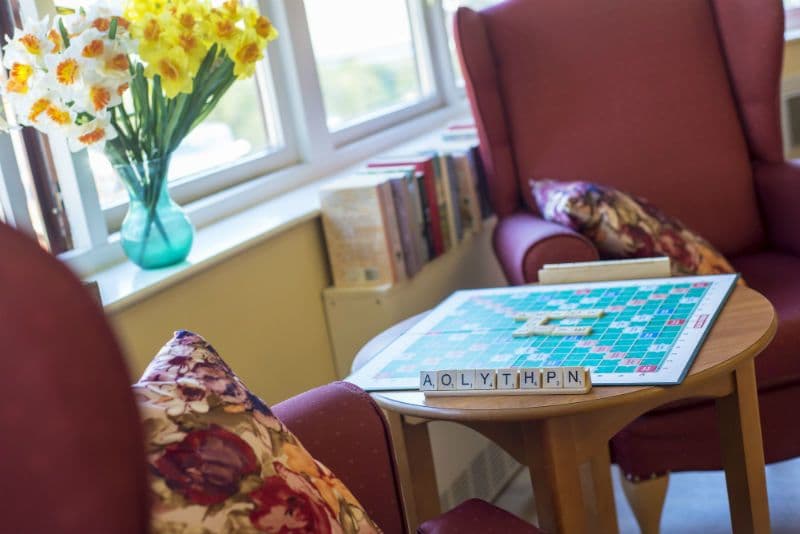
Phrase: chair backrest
[72,458]
[667,99]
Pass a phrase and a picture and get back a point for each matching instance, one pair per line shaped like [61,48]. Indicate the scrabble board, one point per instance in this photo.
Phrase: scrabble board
[634,332]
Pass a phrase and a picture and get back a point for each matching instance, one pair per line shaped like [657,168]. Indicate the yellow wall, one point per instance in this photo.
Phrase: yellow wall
[791,58]
[261,309]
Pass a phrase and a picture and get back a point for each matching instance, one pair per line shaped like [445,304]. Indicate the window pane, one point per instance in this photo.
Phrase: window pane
[450,7]
[366,59]
[234,130]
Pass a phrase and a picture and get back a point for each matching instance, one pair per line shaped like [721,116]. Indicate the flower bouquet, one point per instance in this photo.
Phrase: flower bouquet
[133,79]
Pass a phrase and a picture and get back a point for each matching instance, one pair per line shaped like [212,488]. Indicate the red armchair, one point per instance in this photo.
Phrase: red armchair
[677,102]
[70,464]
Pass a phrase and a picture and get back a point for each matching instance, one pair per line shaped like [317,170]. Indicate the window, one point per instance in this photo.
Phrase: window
[343,78]
[792,8]
[367,58]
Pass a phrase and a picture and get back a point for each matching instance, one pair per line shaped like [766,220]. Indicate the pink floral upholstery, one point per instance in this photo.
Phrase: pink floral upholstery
[220,461]
[622,226]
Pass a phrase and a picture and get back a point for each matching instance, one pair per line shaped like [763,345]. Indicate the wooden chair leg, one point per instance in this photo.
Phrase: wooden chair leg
[647,501]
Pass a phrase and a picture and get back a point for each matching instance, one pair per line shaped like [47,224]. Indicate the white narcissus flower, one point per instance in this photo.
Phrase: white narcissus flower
[70,89]
[65,71]
[94,134]
[97,95]
[31,107]
[29,44]
[57,118]
[97,15]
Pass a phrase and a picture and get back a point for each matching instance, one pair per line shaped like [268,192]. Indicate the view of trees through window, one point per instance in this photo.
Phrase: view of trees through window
[364,68]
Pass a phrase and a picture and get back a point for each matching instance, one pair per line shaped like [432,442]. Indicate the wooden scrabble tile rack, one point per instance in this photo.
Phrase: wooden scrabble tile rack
[513,381]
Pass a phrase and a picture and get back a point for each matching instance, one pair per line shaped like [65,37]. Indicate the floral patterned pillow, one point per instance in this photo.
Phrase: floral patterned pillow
[221,462]
[622,226]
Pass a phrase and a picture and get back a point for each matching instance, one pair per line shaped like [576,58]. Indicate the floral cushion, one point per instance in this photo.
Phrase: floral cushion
[221,462]
[622,226]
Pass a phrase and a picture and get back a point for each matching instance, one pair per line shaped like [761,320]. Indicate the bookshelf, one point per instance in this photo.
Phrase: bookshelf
[356,315]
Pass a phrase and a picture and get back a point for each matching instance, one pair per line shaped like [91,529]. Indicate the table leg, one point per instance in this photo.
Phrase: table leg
[418,486]
[743,453]
[554,469]
[602,492]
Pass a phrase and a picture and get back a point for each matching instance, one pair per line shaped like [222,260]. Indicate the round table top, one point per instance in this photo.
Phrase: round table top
[743,329]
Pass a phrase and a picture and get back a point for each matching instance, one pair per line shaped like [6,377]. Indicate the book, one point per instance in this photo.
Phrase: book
[426,216]
[469,204]
[403,185]
[450,192]
[415,191]
[424,164]
[474,155]
[361,233]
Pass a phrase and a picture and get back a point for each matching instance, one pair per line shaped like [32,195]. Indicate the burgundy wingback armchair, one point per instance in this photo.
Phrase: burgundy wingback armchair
[72,457]
[674,101]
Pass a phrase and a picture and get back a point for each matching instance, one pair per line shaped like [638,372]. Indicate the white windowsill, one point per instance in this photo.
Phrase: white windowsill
[124,284]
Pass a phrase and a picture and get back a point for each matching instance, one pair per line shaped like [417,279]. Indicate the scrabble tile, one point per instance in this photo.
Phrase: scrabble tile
[542,330]
[571,331]
[445,380]
[552,378]
[537,317]
[507,379]
[530,378]
[522,331]
[465,379]
[588,314]
[574,377]
[427,380]
[485,379]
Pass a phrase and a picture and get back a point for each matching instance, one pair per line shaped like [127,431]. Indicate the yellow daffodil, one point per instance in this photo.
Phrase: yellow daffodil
[261,25]
[224,30]
[247,52]
[172,65]
[195,49]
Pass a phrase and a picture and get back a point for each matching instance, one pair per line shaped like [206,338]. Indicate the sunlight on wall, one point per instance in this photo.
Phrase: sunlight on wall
[262,310]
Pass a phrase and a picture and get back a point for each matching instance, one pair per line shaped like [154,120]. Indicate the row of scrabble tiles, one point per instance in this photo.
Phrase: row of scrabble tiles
[486,379]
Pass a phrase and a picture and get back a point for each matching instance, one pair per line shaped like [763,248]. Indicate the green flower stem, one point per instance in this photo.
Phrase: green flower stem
[153,130]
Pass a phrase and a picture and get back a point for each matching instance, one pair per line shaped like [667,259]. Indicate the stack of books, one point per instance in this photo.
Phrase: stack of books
[385,222]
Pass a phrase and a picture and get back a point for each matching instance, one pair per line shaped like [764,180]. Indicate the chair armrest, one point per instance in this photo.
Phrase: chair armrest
[476,515]
[342,427]
[778,186]
[524,243]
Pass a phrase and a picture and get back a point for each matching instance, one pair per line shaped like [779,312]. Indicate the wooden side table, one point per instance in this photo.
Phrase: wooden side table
[563,439]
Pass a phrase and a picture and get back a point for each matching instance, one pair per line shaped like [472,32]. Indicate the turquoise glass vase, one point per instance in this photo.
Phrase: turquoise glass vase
[156,231]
